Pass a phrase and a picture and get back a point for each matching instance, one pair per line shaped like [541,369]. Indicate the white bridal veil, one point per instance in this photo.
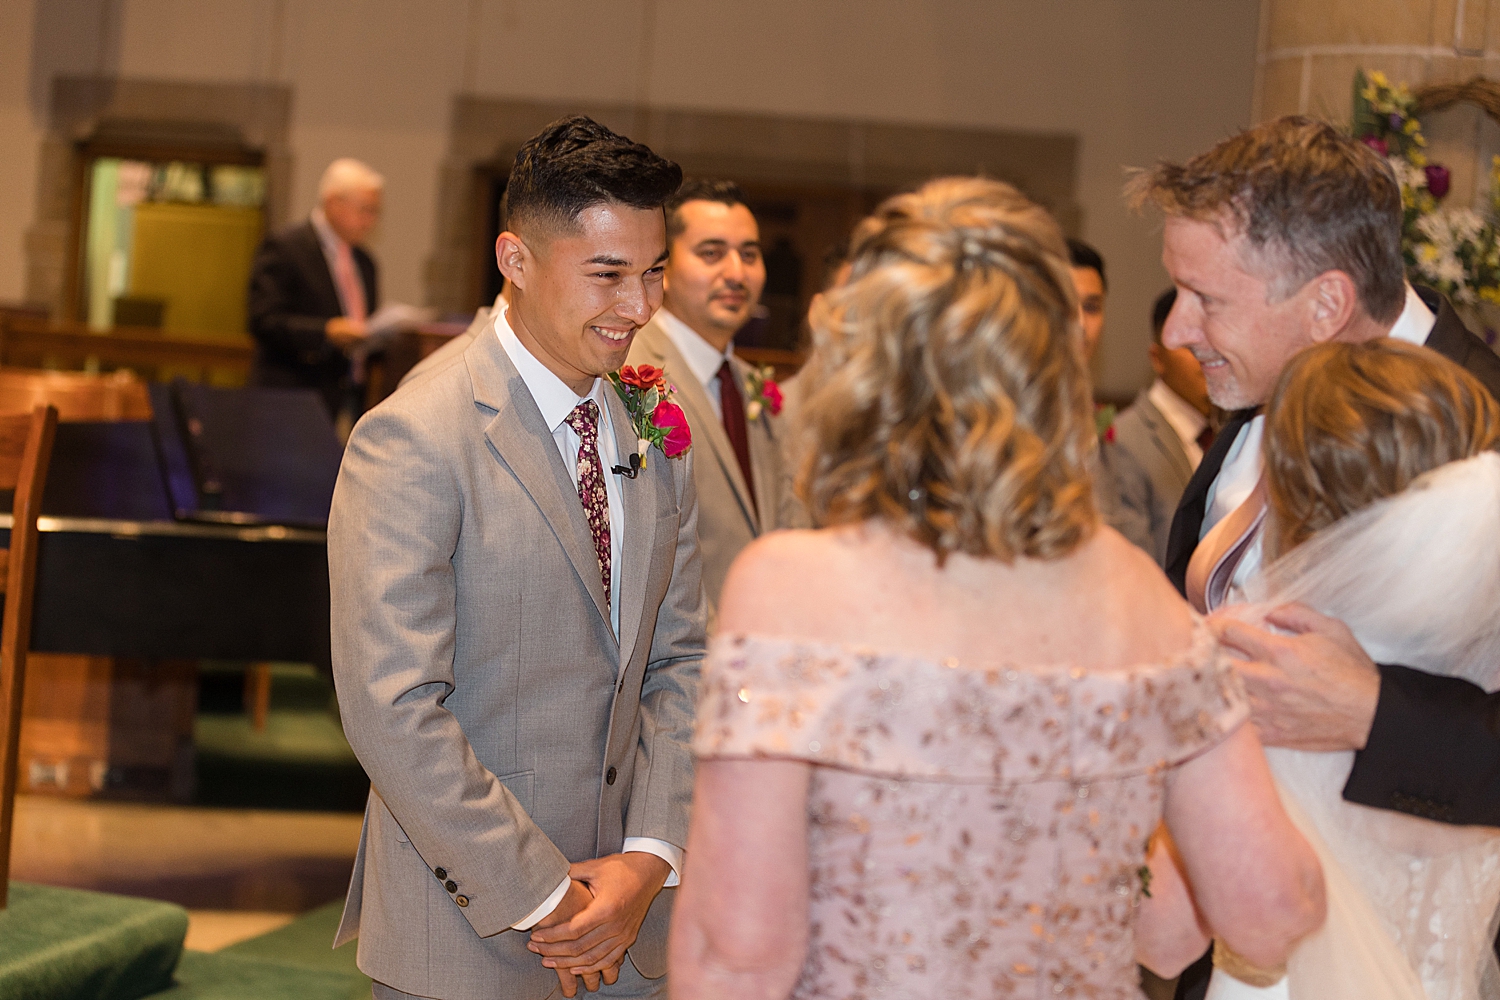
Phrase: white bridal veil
[1412,902]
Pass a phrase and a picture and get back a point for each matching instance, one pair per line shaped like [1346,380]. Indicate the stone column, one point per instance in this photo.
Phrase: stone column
[1309,51]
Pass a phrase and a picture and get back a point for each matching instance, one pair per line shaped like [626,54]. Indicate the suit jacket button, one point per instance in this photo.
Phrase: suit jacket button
[451,886]
[609,776]
[461,900]
[441,873]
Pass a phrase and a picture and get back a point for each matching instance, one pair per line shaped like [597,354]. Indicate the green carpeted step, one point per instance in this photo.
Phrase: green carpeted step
[221,976]
[305,943]
[77,945]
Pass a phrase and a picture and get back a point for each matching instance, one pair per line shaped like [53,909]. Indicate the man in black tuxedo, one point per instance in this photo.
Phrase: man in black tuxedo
[313,287]
[1282,237]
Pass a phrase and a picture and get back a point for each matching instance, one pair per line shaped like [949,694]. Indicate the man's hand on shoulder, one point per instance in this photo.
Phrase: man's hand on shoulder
[1314,689]
[593,941]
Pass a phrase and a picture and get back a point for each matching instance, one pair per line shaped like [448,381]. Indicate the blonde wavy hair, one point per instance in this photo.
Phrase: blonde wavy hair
[1349,424]
[952,398]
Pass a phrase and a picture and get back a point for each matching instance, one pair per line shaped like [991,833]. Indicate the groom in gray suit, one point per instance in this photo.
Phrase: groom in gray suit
[714,277]
[518,621]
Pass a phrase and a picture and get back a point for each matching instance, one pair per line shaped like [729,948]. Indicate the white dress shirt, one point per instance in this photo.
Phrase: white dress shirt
[1183,417]
[556,401]
[1242,466]
[703,359]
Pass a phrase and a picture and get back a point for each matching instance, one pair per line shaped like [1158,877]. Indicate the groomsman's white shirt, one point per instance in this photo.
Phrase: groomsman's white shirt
[556,401]
[701,356]
[1242,466]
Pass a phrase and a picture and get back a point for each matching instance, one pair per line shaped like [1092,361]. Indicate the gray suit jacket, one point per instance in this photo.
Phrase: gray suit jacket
[1150,469]
[726,520]
[505,730]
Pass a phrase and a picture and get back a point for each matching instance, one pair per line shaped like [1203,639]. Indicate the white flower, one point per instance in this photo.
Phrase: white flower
[752,410]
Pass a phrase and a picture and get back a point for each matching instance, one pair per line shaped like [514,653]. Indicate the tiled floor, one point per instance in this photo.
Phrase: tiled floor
[240,872]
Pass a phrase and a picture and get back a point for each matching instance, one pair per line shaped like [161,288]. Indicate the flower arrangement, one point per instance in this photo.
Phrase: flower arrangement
[762,392]
[1454,250]
[656,419]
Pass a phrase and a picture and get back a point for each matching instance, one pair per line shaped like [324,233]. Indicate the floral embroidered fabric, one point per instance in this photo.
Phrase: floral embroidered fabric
[972,832]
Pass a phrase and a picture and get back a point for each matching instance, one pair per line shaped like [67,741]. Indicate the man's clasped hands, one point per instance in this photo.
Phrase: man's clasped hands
[589,932]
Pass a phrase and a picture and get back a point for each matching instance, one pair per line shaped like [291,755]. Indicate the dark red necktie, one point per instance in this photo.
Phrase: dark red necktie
[732,405]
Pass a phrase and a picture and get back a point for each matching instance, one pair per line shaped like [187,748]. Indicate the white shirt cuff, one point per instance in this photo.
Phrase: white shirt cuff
[533,918]
[670,853]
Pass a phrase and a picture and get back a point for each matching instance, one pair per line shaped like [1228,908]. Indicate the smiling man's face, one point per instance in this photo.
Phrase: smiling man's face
[1224,315]
[716,273]
[581,294]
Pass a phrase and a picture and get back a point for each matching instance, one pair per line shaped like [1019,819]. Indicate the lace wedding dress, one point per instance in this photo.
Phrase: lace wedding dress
[1411,902]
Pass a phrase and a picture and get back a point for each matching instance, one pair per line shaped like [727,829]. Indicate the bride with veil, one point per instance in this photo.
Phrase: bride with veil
[1384,512]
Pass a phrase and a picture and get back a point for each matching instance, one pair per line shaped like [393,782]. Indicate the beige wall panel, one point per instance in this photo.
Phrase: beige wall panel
[1296,23]
[1331,93]
[1281,89]
[1469,25]
[220,40]
[20,135]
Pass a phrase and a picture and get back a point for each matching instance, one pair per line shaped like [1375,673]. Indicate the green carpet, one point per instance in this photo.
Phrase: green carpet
[221,976]
[299,761]
[77,945]
[305,943]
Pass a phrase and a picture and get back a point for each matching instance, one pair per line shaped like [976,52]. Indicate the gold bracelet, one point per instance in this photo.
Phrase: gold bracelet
[1226,961]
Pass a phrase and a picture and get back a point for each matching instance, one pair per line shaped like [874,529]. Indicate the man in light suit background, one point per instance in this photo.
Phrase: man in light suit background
[1160,438]
[715,274]
[517,628]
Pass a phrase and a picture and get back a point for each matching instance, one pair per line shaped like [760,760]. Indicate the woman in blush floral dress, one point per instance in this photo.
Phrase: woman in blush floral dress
[935,733]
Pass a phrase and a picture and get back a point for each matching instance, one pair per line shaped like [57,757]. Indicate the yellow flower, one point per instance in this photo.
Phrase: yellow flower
[1419,139]
[1416,158]
[1427,253]
[1411,126]
[1378,79]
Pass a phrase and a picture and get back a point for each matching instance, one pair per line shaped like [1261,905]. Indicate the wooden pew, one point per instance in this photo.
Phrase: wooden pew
[33,343]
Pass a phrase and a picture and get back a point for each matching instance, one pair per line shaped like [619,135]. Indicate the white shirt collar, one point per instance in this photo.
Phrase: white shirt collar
[552,395]
[702,358]
[1181,415]
[1416,320]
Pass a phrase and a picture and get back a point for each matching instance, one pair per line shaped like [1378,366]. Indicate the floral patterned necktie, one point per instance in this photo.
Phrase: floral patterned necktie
[585,423]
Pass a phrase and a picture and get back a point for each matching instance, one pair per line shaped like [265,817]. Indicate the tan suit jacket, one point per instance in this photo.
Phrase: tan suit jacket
[727,522]
[505,730]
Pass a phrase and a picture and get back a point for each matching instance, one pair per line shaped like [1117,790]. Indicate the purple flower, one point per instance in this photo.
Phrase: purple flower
[1377,144]
[1437,180]
[1395,121]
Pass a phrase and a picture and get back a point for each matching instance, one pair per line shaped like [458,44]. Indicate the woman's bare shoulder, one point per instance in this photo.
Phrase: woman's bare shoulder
[774,578]
[1144,598]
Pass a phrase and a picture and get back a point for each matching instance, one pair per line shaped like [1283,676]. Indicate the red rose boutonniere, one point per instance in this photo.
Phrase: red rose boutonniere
[1104,422]
[762,392]
[656,419]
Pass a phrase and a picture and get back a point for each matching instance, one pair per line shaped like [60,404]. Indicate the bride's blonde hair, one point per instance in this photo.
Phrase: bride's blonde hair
[1349,424]
[951,395]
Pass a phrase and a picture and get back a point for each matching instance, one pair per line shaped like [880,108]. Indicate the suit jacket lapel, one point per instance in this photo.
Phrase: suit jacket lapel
[705,423]
[1166,438]
[1188,522]
[638,496]
[315,267]
[523,443]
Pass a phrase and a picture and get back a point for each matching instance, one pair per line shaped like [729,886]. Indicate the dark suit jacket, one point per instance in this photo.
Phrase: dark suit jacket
[292,297]
[1434,748]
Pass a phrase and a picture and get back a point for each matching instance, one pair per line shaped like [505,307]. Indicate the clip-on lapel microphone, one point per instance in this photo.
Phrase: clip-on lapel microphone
[630,471]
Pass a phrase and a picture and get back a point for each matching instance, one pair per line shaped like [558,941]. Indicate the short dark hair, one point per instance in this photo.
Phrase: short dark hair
[576,163]
[1080,254]
[699,189]
[1306,197]
[1159,312]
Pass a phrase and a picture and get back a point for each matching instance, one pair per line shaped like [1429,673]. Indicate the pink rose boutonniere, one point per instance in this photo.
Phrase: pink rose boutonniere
[655,418]
[762,392]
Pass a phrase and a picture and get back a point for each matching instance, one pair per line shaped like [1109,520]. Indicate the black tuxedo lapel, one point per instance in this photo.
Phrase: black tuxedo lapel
[1452,339]
[1187,523]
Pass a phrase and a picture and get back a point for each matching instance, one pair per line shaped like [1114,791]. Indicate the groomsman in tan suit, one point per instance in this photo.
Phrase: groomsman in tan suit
[518,620]
[715,274]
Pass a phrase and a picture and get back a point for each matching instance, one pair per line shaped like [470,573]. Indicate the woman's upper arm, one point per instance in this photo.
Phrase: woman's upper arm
[1256,880]
[745,890]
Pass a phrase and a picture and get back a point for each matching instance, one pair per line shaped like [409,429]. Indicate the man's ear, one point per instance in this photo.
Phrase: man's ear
[514,258]
[1333,302]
